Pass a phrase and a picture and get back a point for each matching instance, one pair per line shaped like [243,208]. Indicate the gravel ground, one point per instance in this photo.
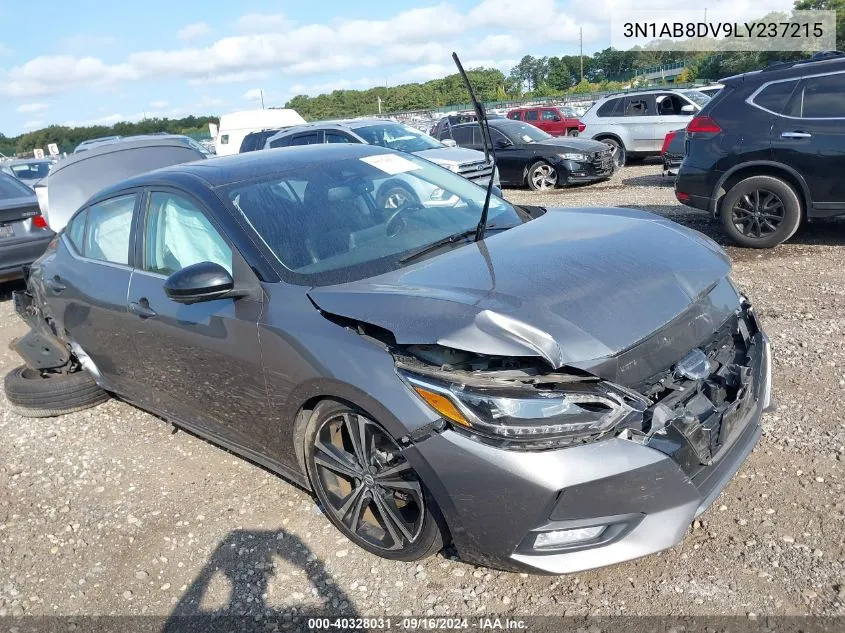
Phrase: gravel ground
[110,512]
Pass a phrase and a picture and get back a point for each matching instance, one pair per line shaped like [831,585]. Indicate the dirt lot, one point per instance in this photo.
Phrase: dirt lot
[108,511]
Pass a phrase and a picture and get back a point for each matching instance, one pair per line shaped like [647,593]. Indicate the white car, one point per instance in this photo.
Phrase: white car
[635,124]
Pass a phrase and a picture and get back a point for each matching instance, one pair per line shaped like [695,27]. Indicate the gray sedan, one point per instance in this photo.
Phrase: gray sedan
[23,231]
[565,389]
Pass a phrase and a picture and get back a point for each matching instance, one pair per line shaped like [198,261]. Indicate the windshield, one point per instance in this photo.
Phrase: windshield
[699,98]
[522,132]
[31,171]
[397,136]
[357,217]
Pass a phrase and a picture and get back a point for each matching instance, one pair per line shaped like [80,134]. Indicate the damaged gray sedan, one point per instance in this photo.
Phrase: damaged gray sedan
[568,391]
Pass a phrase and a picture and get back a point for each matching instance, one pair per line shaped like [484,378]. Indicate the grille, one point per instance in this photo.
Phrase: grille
[603,160]
[475,170]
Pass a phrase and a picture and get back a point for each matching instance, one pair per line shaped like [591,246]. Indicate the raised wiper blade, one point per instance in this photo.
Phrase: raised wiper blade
[435,245]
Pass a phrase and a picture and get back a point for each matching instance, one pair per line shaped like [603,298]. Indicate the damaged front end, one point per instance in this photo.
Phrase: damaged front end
[692,411]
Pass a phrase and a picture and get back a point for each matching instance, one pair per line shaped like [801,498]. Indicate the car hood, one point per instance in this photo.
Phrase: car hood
[571,287]
[451,155]
[572,143]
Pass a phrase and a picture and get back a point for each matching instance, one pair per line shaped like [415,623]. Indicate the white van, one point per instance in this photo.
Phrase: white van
[236,125]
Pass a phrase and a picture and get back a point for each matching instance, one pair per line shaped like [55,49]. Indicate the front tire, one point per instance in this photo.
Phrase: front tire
[760,212]
[41,394]
[541,176]
[366,486]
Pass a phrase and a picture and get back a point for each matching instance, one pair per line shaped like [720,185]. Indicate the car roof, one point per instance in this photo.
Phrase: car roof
[225,170]
[132,142]
[788,70]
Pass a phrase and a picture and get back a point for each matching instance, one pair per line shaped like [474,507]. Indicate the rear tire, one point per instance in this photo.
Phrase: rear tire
[760,212]
[572,132]
[35,394]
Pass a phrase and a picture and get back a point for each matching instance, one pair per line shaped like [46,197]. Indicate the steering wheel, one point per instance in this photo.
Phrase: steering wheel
[399,218]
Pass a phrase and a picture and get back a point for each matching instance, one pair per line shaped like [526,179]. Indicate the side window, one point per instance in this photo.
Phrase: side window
[637,106]
[76,231]
[177,234]
[306,139]
[462,134]
[224,140]
[669,104]
[107,230]
[613,107]
[514,115]
[774,97]
[280,142]
[531,115]
[824,97]
[335,137]
[550,115]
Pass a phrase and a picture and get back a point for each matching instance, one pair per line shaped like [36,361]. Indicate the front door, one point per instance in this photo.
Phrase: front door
[201,363]
[552,122]
[810,137]
[670,116]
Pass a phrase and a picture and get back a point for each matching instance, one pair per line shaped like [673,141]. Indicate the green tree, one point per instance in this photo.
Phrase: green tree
[828,5]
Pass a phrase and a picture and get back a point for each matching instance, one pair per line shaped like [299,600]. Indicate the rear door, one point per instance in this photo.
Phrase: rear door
[639,120]
[809,135]
[532,117]
[199,363]
[86,283]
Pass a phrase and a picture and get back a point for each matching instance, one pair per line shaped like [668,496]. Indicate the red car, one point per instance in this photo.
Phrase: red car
[557,121]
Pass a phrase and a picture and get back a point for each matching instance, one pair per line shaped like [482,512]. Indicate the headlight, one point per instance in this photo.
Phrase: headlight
[574,156]
[526,417]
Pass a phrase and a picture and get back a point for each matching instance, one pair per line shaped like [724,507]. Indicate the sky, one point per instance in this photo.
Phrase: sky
[87,62]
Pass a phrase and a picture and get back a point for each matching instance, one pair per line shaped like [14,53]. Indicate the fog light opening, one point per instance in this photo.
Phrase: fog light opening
[562,538]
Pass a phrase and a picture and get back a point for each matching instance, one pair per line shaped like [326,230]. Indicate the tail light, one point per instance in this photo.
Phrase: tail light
[39,222]
[581,127]
[703,124]
[667,140]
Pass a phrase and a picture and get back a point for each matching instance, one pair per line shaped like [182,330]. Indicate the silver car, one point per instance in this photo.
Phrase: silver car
[29,170]
[468,163]
[635,124]
[23,232]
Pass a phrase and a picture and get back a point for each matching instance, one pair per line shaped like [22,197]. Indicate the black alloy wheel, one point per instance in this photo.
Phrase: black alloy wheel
[761,212]
[367,487]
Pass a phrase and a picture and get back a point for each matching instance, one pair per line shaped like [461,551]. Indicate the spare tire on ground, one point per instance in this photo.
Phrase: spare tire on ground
[37,394]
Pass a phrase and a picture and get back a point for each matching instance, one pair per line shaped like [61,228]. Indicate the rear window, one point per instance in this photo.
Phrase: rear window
[13,188]
[774,97]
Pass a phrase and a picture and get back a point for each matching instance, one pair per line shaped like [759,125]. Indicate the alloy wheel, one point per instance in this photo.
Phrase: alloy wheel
[544,177]
[758,213]
[368,484]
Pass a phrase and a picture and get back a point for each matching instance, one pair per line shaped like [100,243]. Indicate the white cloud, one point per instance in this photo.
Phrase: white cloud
[158,105]
[34,125]
[230,78]
[503,44]
[261,22]
[32,107]
[254,94]
[193,31]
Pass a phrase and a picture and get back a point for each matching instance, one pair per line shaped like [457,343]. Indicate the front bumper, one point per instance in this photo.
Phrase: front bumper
[572,172]
[647,493]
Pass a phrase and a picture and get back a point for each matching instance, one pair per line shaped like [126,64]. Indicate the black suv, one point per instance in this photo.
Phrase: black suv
[769,150]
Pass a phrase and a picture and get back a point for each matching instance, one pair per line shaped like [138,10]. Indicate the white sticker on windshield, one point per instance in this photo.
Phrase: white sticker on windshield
[391,163]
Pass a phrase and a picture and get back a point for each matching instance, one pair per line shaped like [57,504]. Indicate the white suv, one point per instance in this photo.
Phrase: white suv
[634,124]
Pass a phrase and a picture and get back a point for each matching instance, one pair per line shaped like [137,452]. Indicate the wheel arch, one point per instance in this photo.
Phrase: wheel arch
[761,168]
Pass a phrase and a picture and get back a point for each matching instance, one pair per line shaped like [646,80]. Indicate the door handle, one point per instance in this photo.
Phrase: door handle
[796,135]
[55,284]
[142,309]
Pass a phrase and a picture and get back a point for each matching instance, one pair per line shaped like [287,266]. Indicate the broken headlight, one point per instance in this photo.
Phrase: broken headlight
[524,416]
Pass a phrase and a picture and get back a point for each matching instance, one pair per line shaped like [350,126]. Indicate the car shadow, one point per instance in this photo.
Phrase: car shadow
[247,561]
[648,180]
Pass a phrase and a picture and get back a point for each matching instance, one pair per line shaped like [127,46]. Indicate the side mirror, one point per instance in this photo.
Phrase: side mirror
[199,282]
[688,109]
[449,142]
[555,118]
[497,191]
[502,143]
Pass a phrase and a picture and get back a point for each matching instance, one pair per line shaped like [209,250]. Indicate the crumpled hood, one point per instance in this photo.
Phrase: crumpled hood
[571,286]
[451,155]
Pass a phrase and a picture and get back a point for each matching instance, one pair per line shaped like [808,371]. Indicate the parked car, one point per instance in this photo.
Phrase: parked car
[236,125]
[570,392]
[29,170]
[468,163]
[556,120]
[634,124]
[526,155]
[711,89]
[23,232]
[769,151]
[94,142]
[256,140]
[456,119]
[672,152]
[72,181]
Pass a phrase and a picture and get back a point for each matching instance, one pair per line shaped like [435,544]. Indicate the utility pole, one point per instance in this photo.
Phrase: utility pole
[581,56]
[262,98]
[379,104]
